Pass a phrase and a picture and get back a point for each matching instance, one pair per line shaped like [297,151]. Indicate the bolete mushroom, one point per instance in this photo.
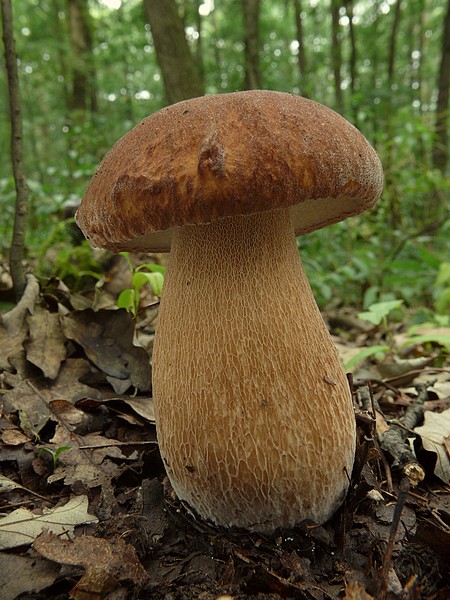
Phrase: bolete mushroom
[254,413]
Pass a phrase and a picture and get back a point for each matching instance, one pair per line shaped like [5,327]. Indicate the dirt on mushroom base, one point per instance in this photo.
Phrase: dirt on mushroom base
[105,455]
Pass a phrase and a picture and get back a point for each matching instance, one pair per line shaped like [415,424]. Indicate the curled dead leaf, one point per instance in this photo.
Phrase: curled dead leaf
[107,562]
[432,444]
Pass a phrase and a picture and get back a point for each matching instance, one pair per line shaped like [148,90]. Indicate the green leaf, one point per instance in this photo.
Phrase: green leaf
[443,301]
[61,449]
[443,276]
[126,300]
[155,280]
[126,256]
[378,311]
[153,268]
[365,353]
[441,339]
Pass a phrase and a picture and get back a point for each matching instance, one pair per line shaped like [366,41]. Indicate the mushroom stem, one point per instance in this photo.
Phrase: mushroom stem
[254,414]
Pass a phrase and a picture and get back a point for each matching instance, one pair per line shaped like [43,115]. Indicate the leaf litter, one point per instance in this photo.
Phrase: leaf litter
[87,511]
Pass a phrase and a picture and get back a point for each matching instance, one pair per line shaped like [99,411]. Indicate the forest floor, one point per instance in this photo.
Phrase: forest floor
[87,511]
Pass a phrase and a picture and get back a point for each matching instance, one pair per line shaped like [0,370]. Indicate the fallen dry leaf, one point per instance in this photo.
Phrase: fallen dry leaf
[107,562]
[46,347]
[90,466]
[13,320]
[7,485]
[14,437]
[136,411]
[355,591]
[399,366]
[11,345]
[107,338]
[66,412]
[32,396]
[36,574]
[22,526]
[433,435]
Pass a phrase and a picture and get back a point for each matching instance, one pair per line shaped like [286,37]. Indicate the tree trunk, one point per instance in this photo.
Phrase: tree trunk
[199,46]
[302,60]
[336,55]
[83,93]
[21,208]
[181,74]
[440,149]
[393,42]
[353,54]
[127,70]
[251,10]
[375,66]
[394,212]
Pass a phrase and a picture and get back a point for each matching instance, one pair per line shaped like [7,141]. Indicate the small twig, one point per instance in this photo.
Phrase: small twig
[118,444]
[405,485]
[385,384]
[365,438]
[440,521]
[387,469]
[393,439]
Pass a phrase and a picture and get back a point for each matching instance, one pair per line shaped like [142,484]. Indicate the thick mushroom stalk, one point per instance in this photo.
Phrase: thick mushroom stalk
[255,418]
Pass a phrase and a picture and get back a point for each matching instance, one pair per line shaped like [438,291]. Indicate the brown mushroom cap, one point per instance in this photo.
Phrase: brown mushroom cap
[227,155]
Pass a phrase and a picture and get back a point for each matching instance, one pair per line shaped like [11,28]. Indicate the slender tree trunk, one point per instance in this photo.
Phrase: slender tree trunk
[251,10]
[336,55]
[83,94]
[374,65]
[199,45]
[353,59]
[220,83]
[302,59]
[395,214]
[21,209]
[393,42]
[127,71]
[60,35]
[440,149]
[30,110]
[416,69]
[180,71]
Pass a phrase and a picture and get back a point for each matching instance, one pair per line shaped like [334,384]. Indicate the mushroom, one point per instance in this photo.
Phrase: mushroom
[254,413]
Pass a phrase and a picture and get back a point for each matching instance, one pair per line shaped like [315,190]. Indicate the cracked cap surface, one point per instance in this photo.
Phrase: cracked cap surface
[226,155]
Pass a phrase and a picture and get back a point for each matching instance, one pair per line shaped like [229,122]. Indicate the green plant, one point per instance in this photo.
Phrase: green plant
[53,453]
[149,273]
[377,314]
[70,263]
[441,290]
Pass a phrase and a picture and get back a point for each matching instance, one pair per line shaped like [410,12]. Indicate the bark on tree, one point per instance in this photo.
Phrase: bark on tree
[199,45]
[395,214]
[375,63]
[393,42]
[127,70]
[180,71]
[302,59]
[440,149]
[83,93]
[353,55]
[251,11]
[336,55]
[21,208]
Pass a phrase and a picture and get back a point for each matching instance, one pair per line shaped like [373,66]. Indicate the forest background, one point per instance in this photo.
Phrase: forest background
[90,70]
